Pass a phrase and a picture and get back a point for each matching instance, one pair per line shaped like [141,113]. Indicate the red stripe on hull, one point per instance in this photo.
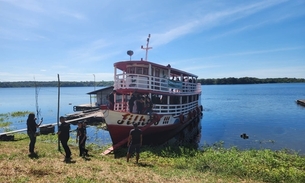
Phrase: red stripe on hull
[151,136]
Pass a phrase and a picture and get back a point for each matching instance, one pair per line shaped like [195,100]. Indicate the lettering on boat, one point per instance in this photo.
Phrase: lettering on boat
[133,118]
[166,120]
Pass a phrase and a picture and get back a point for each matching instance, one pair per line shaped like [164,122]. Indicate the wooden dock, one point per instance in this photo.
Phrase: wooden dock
[301,102]
[84,107]
[71,118]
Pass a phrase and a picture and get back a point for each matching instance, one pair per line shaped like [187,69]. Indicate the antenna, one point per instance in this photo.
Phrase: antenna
[146,48]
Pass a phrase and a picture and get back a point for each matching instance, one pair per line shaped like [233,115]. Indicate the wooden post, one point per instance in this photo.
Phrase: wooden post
[58,102]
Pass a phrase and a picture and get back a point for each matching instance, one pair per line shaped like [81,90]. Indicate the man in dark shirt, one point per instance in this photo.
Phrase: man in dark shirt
[134,142]
[64,135]
[131,103]
[140,104]
[81,138]
[149,107]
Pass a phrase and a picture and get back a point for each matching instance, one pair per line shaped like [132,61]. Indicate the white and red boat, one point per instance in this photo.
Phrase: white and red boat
[175,95]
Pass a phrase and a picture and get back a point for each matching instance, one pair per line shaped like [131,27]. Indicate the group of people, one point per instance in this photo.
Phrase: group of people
[139,104]
[63,135]
[134,138]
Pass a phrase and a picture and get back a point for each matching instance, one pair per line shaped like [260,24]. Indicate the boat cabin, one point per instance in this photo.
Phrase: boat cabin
[167,87]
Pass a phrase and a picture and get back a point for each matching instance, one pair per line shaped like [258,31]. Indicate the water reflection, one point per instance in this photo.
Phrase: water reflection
[189,136]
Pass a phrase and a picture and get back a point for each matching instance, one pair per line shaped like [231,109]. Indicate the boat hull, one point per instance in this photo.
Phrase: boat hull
[157,131]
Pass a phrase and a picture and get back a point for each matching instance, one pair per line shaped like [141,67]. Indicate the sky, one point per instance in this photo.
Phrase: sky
[81,40]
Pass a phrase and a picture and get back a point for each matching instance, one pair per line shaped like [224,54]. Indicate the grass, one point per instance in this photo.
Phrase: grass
[157,164]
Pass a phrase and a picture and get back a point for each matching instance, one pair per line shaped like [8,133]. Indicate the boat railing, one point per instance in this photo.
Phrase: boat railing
[121,106]
[145,82]
[162,109]
[176,109]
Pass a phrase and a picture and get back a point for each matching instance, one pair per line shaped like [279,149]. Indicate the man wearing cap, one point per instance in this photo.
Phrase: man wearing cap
[134,142]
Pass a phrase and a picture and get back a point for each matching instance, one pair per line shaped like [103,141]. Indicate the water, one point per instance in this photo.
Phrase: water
[267,113]
[23,99]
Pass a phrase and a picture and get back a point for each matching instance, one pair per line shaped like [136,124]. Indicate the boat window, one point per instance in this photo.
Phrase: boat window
[157,72]
[164,73]
[131,70]
[139,70]
[145,71]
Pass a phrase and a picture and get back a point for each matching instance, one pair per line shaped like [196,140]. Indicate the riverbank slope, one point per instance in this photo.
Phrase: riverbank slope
[161,164]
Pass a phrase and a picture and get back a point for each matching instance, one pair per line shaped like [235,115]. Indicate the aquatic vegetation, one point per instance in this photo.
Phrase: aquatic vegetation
[3,121]
[19,113]
[5,117]
[4,124]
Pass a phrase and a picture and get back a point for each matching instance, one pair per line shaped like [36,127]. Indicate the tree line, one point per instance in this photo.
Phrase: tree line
[217,81]
[54,84]
[249,80]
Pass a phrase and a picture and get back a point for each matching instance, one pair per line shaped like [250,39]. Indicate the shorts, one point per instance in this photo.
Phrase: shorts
[134,147]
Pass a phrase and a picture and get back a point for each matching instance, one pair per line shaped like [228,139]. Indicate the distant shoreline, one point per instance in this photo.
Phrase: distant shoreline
[217,81]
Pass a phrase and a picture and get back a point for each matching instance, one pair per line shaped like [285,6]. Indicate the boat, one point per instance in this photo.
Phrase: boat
[175,95]
[301,102]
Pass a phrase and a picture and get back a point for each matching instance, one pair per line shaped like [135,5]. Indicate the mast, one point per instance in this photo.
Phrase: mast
[147,47]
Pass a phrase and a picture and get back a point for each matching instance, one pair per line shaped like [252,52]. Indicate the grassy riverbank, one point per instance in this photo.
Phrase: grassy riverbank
[166,164]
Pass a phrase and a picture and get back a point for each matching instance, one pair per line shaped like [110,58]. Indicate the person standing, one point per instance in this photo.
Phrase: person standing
[81,138]
[31,131]
[134,142]
[149,107]
[131,103]
[140,104]
[64,135]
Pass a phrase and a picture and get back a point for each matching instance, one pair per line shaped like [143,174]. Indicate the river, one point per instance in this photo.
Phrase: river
[266,113]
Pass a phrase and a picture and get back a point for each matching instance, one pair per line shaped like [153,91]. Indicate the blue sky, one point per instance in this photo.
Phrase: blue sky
[80,40]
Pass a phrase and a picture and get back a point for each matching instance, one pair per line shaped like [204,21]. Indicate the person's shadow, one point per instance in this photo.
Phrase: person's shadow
[86,158]
[69,161]
[33,155]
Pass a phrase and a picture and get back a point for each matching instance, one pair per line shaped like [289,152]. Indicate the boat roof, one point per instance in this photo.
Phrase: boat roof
[122,65]
[100,90]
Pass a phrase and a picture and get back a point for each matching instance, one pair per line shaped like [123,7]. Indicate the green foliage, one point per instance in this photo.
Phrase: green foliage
[210,81]
[213,163]
[20,113]
[261,165]
[4,117]
[4,124]
[54,84]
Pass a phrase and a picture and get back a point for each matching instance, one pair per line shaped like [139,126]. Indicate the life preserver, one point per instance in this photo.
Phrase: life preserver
[156,119]
[181,118]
